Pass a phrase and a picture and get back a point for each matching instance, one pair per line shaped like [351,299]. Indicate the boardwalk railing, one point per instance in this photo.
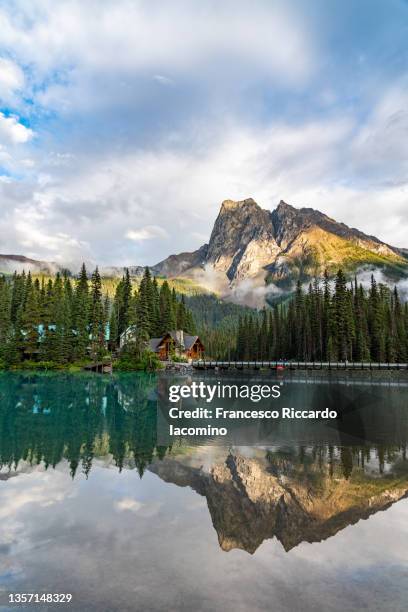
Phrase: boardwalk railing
[202,364]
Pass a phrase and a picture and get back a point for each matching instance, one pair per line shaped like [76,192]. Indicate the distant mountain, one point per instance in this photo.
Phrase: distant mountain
[176,265]
[248,242]
[253,252]
[17,263]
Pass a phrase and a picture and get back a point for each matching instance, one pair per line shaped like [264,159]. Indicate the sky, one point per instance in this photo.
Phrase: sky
[124,124]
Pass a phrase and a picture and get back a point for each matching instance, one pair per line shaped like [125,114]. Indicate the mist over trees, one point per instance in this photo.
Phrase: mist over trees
[329,323]
[62,320]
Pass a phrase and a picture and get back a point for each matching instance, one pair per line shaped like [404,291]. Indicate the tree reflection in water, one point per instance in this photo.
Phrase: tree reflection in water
[47,418]
[295,492]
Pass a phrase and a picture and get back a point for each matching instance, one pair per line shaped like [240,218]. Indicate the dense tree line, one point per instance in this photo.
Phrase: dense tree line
[153,310]
[217,322]
[63,320]
[54,320]
[330,321]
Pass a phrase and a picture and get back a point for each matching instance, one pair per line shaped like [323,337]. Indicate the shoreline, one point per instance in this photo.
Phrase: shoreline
[295,376]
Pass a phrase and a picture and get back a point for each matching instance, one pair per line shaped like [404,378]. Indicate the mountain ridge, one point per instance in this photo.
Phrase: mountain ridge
[17,263]
[261,248]
[283,245]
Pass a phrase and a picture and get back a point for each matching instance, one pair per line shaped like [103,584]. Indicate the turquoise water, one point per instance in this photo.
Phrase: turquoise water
[315,518]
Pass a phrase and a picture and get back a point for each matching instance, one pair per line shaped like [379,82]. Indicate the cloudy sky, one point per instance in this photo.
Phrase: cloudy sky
[125,123]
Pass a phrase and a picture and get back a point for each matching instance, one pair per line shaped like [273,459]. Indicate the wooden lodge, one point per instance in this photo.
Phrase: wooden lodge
[178,343]
[175,342]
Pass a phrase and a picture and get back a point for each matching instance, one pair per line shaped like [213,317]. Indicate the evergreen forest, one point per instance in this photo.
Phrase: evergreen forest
[63,320]
[331,321]
[60,321]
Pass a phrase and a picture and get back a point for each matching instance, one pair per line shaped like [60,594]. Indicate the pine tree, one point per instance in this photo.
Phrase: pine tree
[361,350]
[155,316]
[181,314]
[30,319]
[145,311]
[5,318]
[263,336]
[17,295]
[341,319]
[376,324]
[400,331]
[167,315]
[344,323]
[124,296]
[81,315]
[96,321]
[240,341]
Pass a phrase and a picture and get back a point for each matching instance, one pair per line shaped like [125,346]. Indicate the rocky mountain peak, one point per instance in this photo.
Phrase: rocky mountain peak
[287,222]
[230,205]
[249,242]
[242,236]
[285,208]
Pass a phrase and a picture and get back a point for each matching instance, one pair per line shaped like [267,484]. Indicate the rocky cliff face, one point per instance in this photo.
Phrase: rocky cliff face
[252,499]
[242,241]
[262,247]
[281,246]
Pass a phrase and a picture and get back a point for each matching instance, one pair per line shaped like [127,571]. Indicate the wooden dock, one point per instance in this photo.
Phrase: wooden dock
[101,367]
[203,364]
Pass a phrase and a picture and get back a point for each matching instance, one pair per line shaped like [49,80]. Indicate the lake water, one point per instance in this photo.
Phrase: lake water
[314,518]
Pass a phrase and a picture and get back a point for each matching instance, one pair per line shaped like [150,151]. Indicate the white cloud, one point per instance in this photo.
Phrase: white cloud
[135,35]
[34,241]
[121,161]
[11,79]
[99,199]
[14,132]
[128,503]
[79,63]
[146,233]
[380,149]
[36,487]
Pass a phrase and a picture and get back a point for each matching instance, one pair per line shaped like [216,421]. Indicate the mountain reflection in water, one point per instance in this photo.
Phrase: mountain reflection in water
[292,491]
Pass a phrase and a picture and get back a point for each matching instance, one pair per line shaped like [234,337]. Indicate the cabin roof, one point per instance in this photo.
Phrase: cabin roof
[182,339]
[154,343]
[189,341]
[177,334]
[186,344]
